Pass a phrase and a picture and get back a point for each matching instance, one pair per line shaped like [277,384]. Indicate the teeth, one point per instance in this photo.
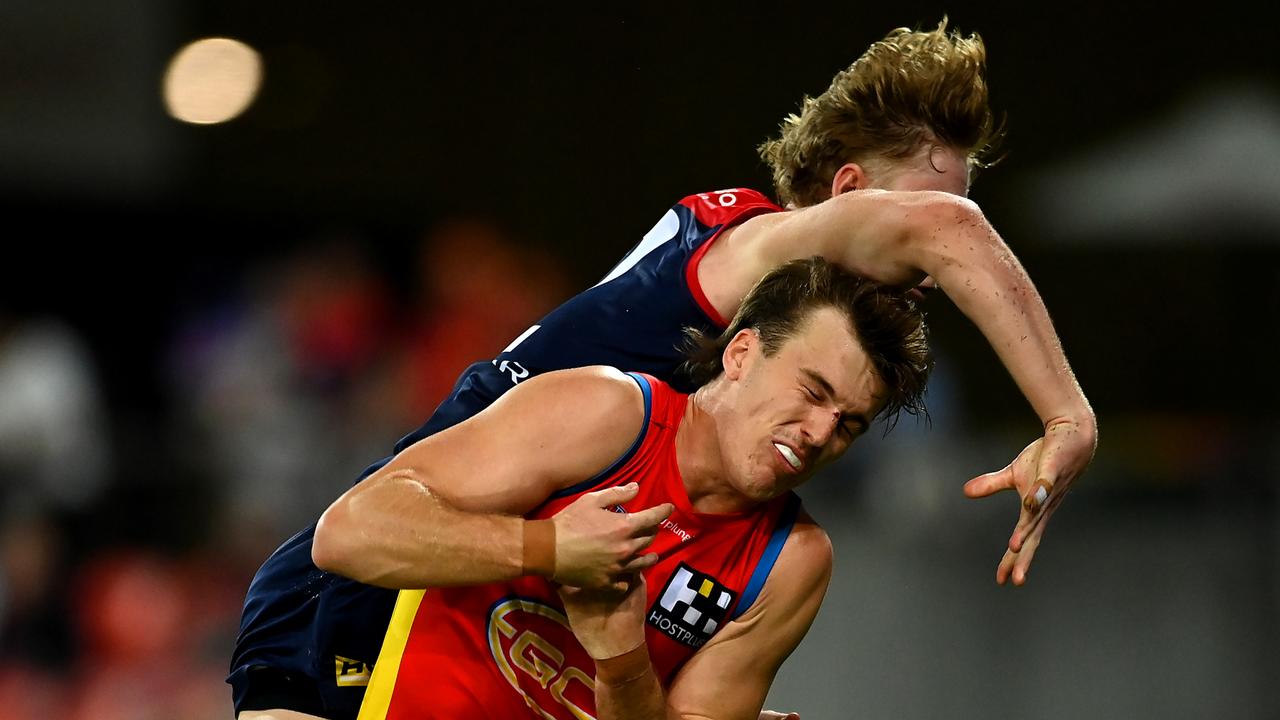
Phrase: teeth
[788,454]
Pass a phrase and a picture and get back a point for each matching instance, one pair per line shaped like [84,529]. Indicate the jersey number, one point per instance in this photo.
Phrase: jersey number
[517,371]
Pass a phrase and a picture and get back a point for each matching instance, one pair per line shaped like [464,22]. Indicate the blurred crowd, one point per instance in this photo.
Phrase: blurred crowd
[279,384]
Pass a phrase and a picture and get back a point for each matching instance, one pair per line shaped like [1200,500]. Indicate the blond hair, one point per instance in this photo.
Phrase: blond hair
[910,89]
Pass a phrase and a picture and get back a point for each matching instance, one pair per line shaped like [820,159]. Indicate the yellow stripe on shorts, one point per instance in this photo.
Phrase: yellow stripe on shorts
[377,698]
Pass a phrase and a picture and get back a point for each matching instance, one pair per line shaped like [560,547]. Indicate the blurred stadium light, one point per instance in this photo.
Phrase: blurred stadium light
[1207,173]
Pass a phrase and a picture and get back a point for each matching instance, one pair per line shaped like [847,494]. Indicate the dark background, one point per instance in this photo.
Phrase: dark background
[571,127]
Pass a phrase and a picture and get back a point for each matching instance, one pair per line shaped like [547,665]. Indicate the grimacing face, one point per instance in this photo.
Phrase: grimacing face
[798,410]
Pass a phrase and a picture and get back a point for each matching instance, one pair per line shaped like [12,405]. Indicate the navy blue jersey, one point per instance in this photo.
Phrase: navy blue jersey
[307,637]
[632,319]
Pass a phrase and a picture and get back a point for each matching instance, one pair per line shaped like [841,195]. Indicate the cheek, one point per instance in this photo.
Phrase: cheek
[754,458]
[833,452]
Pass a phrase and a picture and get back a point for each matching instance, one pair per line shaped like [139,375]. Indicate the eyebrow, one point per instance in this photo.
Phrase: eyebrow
[830,392]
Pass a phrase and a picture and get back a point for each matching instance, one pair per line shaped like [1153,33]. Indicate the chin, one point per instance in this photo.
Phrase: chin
[764,483]
[766,489]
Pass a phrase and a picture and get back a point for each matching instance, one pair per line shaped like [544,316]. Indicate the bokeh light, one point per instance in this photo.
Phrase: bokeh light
[212,81]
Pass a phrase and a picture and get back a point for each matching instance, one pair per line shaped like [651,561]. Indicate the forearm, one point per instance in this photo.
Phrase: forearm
[975,268]
[627,688]
[898,238]
[393,531]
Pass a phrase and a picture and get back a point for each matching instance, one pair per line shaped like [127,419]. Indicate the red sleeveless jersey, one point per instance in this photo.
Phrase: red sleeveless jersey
[505,650]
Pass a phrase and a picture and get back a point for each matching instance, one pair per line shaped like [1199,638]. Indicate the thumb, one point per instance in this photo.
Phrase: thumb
[989,483]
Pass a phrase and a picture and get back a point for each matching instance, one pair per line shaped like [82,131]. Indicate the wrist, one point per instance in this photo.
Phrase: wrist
[1081,418]
[625,668]
[538,552]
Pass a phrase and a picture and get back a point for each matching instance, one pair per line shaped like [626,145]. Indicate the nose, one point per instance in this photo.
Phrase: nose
[820,425]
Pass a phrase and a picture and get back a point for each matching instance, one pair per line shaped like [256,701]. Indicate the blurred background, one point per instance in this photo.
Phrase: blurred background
[208,327]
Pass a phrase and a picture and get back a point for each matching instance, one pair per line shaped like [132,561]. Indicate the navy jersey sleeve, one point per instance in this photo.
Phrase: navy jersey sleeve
[633,319]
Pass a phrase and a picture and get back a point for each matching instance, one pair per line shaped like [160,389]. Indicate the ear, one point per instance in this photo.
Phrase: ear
[737,354]
[850,176]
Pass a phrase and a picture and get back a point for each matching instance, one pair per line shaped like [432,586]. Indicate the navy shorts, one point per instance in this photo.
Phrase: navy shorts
[308,638]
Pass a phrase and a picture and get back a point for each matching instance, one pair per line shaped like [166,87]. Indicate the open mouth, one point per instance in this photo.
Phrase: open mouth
[789,455]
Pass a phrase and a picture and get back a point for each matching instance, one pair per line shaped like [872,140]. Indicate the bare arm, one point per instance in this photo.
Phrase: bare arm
[611,626]
[727,678]
[730,676]
[898,238]
[445,510]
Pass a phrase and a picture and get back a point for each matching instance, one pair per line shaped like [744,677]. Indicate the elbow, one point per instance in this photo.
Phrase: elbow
[331,549]
[943,210]
[935,230]
[1089,424]
[951,233]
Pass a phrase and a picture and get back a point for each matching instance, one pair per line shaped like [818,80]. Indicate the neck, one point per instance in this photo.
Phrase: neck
[700,456]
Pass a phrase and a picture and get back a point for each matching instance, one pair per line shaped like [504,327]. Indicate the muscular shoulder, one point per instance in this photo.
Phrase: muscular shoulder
[803,568]
[584,418]
[609,390]
[744,656]
[597,396]
[798,581]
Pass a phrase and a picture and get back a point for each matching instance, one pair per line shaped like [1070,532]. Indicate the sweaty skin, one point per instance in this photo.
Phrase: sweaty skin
[909,224]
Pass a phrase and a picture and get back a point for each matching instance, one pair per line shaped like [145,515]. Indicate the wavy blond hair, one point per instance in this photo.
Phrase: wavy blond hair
[910,89]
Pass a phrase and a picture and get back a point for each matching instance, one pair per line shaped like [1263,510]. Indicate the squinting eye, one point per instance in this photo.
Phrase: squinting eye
[812,394]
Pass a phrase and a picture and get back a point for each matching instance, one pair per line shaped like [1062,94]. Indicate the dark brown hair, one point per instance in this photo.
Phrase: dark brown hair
[910,89]
[889,327]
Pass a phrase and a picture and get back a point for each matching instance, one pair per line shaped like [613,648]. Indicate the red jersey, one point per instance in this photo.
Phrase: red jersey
[505,650]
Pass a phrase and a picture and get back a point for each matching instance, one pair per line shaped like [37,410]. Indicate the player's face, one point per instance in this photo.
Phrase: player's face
[801,408]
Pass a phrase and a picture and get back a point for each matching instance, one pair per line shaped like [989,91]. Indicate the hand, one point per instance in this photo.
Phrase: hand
[607,621]
[1042,475]
[596,547]
[771,715]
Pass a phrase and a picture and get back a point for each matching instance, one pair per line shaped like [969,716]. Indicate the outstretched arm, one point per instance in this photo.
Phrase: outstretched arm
[445,511]
[899,238]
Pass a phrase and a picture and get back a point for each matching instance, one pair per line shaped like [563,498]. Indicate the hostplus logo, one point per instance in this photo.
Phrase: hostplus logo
[691,607]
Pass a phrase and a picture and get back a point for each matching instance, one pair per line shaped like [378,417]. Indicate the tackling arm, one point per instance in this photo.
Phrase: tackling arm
[898,238]
[445,511]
